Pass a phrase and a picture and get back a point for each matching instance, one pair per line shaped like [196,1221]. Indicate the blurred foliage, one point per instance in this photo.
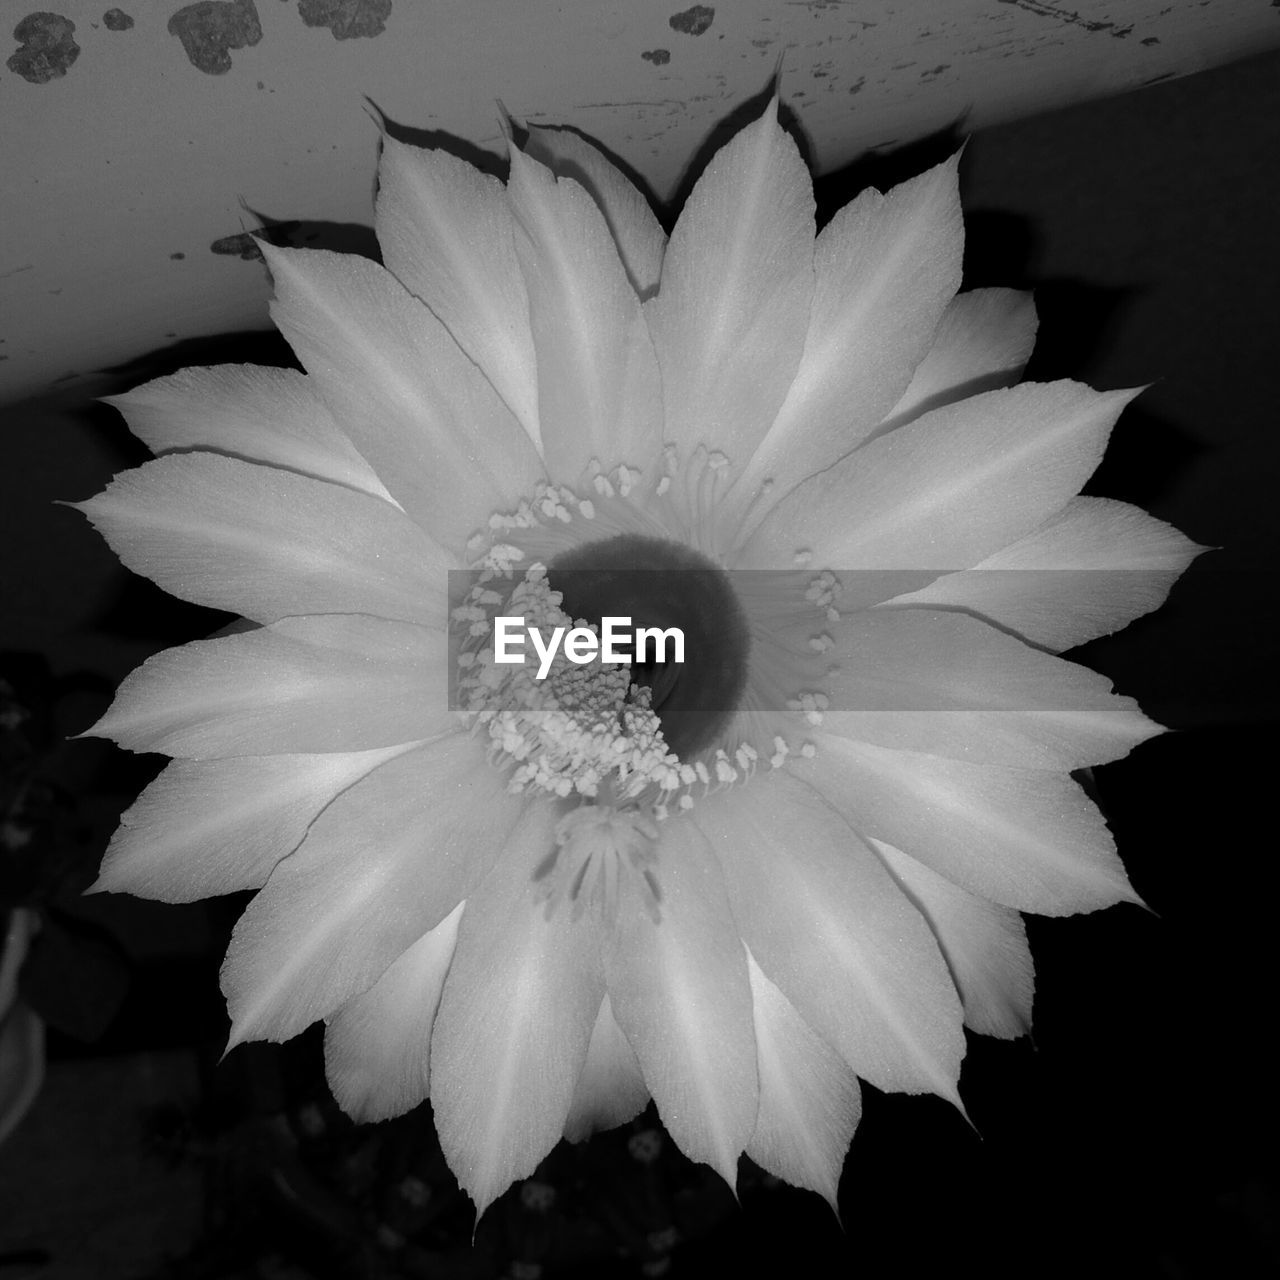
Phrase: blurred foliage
[75,976]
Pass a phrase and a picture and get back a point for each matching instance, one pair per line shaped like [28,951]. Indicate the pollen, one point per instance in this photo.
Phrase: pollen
[582,730]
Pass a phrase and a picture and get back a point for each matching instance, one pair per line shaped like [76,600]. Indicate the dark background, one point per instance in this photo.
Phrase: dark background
[1137,1135]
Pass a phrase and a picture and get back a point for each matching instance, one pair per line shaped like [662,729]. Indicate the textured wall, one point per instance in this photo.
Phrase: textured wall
[140,143]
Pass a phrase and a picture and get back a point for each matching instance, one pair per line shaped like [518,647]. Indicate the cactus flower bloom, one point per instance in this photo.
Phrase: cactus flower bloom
[737,885]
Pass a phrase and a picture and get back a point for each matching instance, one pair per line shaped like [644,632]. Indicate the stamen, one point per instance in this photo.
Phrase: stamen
[579,729]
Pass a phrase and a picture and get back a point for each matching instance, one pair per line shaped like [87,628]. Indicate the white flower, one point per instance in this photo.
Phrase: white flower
[804,862]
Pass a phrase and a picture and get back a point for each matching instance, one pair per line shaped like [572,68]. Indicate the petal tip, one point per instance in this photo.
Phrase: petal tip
[234,1040]
[378,116]
[100,728]
[507,123]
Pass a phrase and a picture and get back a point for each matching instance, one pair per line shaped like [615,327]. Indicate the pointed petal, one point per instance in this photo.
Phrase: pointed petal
[412,402]
[1090,570]
[385,863]
[985,947]
[611,1089]
[377,1047]
[599,394]
[950,488]
[681,995]
[983,341]
[341,682]
[636,231]
[732,309]
[267,543]
[444,229]
[512,1032]
[828,925]
[884,268]
[946,684]
[810,1102]
[217,826]
[1025,838]
[251,412]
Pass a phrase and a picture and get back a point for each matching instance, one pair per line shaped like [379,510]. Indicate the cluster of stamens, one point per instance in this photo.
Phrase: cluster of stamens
[578,729]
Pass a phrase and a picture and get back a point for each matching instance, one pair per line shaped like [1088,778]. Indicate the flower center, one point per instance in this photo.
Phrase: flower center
[661,585]
[632,736]
[568,727]
[631,732]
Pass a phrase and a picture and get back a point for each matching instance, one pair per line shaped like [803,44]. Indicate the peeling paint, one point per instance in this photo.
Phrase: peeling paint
[347,19]
[210,29]
[659,57]
[692,22]
[47,47]
[116,20]
[1068,17]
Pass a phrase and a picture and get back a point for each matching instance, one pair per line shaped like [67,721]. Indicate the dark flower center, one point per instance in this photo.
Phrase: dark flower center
[662,584]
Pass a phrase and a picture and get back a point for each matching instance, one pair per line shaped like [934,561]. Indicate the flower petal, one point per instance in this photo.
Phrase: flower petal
[1025,838]
[377,1047]
[637,233]
[514,1023]
[681,995]
[268,543]
[217,826]
[440,438]
[884,268]
[985,947]
[385,863]
[599,395]
[1090,570]
[732,309]
[444,229]
[946,684]
[828,925]
[251,412]
[611,1089]
[341,682]
[983,341]
[948,489]
[810,1102]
